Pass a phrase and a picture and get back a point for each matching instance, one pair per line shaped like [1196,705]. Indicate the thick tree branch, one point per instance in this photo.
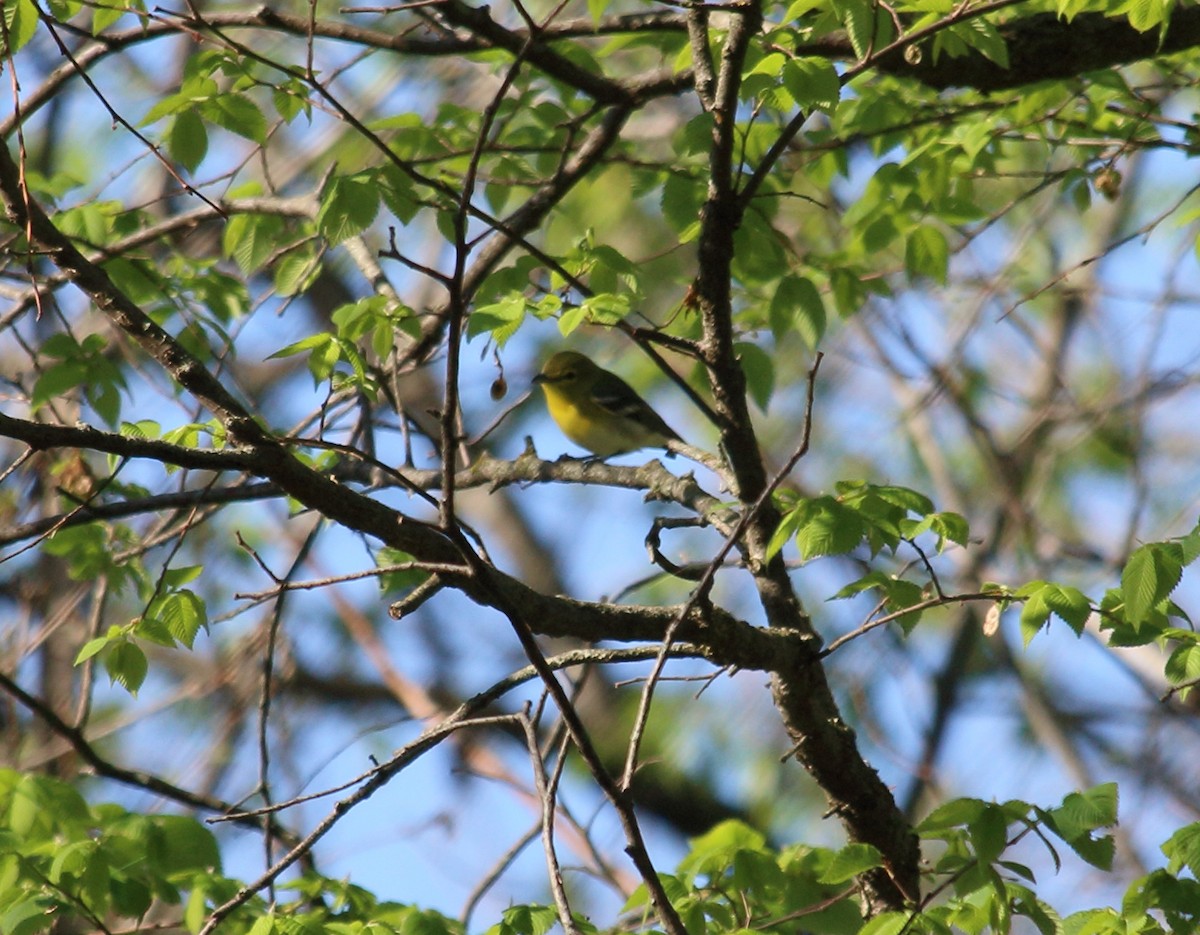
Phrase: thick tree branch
[823,742]
[1043,47]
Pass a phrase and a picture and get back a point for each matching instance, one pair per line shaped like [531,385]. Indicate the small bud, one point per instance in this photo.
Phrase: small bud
[499,389]
[991,620]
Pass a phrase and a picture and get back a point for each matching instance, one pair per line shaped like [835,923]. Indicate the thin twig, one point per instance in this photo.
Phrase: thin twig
[700,594]
[546,793]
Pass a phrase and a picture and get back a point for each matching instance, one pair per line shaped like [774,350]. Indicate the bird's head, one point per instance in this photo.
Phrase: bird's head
[566,368]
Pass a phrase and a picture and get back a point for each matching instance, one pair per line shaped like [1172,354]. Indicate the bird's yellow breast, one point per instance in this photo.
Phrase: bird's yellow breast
[590,430]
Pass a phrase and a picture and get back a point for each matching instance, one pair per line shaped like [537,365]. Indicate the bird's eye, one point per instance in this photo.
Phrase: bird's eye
[569,375]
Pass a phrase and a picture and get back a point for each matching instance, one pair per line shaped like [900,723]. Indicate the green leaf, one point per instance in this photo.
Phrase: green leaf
[759,368]
[238,114]
[717,850]
[187,845]
[869,581]
[1182,849]
[347,208]
[1082,813]
[797,306]
[828,528]
[1070,604]
[105,14]
[396,190]
[1095,922]
[196,911]
[21,21]
[1150,575]
[290,99]
[1034,613]
[946,526]
[848,291]
[1144,15]
[879,233]
[904,497]
[530,920]
[309,343]
[64,9]
[1183,665]
[188,140]
[57,380]
[499,320]
[94,646]
[867,26]
[88,551]
[251,239]
[954,814]
[812,82]
[888,923]
[126,665]
[605,308]
[184,614]
[680,200]
[263,925]
[926,253]
[26,916]
[988,833]
[982,35]
[850,861]
[786,529]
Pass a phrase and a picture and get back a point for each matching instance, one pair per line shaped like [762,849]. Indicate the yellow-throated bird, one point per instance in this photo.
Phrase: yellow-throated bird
[598,410]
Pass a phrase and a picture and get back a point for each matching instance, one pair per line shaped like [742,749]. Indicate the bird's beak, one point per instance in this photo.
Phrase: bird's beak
[540,378]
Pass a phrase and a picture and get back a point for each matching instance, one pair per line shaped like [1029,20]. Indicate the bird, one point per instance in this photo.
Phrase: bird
[597,410]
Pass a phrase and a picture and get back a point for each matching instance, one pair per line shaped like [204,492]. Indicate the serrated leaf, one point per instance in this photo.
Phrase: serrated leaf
[812,82]
[1069,604]
[1183,665]
[797,306]
[680,200]
[348,208]
[1182,849]
[1149,576]
[1034,613]
[988,833]
[499,320]
[309,343]
[127,666]
[251,239]
[1088,810]
[887,923]
[869,581]
[188,140]
[858,16]
[105,14]
[982,35]
[785,530]
[849,862]
[290,99]
[295,272]
[237,114]
[184,614]
[90,648]
[21,21]
[56,380]
[830,529]
[926,253]
[953,814]
[759,368]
